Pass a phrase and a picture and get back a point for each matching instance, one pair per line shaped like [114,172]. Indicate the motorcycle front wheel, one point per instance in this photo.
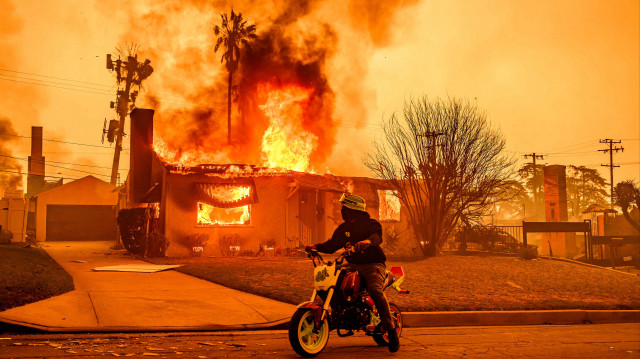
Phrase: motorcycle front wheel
[304,340]
[383,339]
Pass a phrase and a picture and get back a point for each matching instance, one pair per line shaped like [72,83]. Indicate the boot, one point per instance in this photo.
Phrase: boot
[394,341]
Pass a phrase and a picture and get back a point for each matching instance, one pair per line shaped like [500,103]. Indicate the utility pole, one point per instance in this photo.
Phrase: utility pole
[611,142]
[433,136]
[131,73]
[535,156]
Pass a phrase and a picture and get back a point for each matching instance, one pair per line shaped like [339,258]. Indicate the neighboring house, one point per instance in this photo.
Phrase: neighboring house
[81,210]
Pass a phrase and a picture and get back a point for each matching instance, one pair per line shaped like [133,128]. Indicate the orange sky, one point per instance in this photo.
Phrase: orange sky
[554,76]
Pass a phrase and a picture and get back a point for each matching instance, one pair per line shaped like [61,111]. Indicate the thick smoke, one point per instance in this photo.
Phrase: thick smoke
[10,168]
[298,43]
[13,97]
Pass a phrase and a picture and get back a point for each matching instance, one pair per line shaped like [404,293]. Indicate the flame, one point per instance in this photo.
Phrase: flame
[229,193]
[286,144]
[209,215]
[191,157]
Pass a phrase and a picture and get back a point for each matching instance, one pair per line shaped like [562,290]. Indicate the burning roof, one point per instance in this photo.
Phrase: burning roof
[224,172]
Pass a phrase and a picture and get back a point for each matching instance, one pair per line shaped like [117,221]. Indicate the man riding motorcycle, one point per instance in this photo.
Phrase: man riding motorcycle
[369,259]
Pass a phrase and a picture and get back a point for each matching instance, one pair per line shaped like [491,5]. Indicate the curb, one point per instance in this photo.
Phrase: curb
[411,320]
[508,318]
[7,325]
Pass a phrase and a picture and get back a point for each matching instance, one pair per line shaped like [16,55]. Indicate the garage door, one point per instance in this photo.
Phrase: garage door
[81,223]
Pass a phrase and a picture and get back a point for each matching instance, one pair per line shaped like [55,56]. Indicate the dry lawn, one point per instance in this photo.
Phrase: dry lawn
[28,275]
[445,283]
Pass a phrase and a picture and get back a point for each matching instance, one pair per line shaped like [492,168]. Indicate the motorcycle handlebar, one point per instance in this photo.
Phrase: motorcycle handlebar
[313,254]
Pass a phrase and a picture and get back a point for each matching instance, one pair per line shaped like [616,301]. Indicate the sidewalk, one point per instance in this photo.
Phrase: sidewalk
[172,301]
[127,301]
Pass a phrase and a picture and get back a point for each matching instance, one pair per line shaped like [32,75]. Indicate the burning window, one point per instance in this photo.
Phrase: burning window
[389,205]
[209,215]
[224,204]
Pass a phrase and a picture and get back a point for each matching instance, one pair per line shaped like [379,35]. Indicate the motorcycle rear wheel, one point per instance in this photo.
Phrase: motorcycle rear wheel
[383,339]
[301,336]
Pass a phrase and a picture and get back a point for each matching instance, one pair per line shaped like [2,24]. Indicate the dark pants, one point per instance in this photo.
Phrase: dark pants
[374,275]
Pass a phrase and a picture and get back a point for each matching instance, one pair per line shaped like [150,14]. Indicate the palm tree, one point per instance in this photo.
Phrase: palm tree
[233,34]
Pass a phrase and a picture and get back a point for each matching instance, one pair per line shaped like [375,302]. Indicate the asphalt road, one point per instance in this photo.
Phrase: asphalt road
[542,341]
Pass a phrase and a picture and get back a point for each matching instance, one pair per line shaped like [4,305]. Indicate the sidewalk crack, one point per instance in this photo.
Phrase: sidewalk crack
[265,318]
[94,309]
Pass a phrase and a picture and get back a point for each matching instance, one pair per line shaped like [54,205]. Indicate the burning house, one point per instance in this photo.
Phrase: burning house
[236,172]
[237,209]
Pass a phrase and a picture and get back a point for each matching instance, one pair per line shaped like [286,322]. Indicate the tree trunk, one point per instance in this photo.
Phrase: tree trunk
[229,108]
[429,249]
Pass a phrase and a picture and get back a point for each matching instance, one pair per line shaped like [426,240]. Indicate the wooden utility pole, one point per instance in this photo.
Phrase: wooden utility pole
[131,73]
[611,142]
[536,201]
[432,136]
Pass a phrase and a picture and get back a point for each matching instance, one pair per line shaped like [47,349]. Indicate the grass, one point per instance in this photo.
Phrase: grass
[28,275]
[444,283]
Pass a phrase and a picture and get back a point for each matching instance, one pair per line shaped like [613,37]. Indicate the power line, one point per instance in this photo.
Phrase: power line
[64,163]
[57,78]
[59,141]
[576,146]
[60,87]
[92,87]
[103,90]
[65,168]
[25,174]
[162,99]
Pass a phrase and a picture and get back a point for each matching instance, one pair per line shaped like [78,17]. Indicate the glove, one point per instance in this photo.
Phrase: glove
[362,245]
[310,247]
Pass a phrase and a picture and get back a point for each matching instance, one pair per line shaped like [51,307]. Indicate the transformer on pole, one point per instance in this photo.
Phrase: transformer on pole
[129,74]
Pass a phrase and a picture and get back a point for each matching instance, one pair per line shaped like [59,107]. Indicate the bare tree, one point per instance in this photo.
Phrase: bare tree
[445,161]
[627,195]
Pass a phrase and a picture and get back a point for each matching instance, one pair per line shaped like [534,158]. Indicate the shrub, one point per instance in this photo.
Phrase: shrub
[136,230]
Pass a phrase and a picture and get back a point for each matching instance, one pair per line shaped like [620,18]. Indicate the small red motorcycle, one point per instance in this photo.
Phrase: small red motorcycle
[340,302]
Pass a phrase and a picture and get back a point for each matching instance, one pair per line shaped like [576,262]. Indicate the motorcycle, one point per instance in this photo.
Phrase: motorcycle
[340,301]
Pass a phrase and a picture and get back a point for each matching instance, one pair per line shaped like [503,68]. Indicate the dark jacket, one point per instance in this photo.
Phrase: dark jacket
[354,232]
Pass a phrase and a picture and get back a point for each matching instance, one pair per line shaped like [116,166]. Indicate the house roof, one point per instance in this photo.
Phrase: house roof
[240,171]
[88,180]
[596,208]
[226,170]
[321,182]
